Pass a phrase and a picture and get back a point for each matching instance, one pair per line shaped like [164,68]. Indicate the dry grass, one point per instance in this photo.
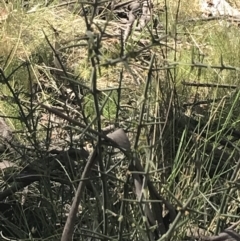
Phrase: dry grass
[22,35]
[22,39]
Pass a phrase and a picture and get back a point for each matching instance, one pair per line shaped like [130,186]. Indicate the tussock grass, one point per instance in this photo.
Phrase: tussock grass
[187,149]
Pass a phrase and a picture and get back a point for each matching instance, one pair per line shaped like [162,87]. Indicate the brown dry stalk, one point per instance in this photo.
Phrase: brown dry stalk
[120,138]
[227,235]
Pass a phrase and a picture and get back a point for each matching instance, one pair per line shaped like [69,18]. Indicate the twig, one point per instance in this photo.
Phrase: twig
[209,85]
[118,137]
[209,19]
[202,102]
[69,226]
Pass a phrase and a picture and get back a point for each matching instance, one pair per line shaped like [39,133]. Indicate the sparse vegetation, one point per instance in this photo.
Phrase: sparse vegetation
[156,116]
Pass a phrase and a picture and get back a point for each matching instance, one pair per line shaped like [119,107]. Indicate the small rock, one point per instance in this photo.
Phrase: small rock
[5,135]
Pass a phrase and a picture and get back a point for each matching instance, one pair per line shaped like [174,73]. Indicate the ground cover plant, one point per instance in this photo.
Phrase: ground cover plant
[119,121]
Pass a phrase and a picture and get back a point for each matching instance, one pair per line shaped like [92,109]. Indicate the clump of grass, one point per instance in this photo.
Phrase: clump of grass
[189,159]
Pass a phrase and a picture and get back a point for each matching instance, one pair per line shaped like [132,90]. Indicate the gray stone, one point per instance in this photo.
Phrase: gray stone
[5,135]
